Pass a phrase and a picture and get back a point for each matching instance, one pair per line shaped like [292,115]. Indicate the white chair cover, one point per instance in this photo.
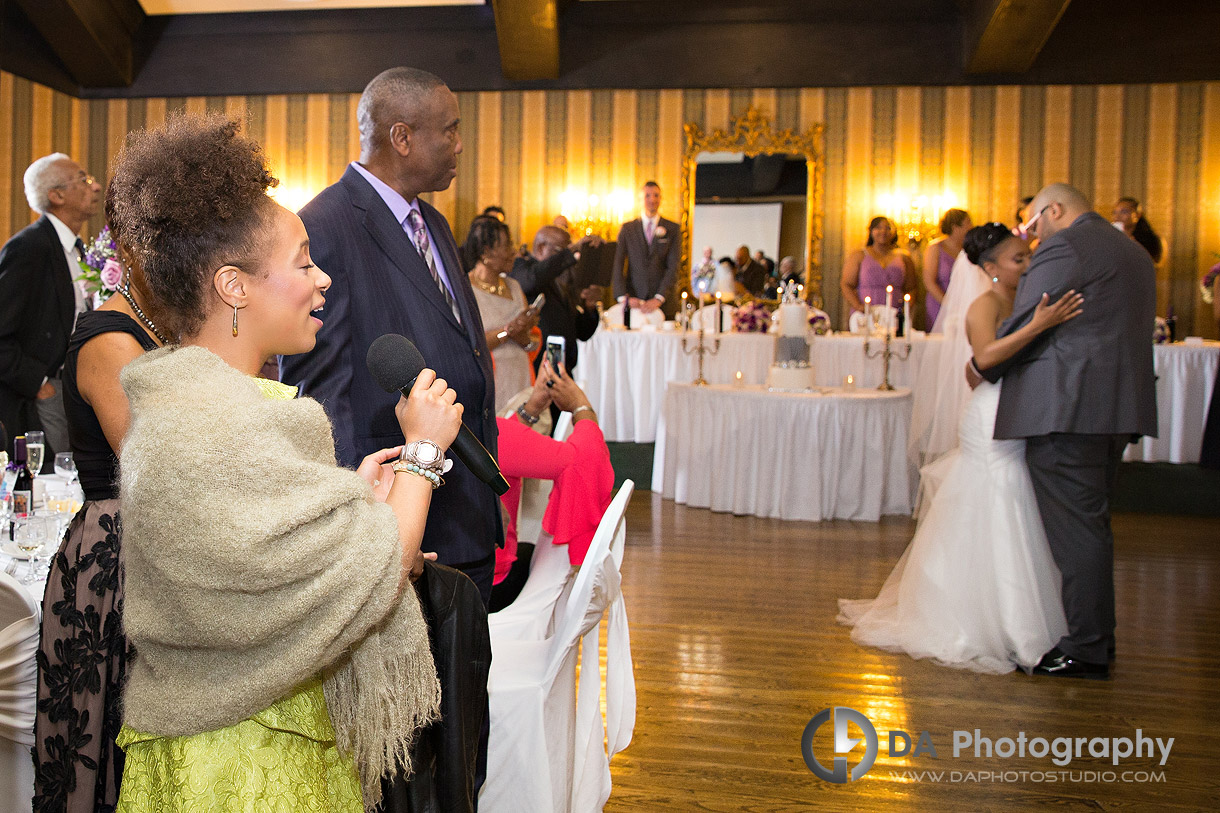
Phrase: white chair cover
[614,316]
[705,319]
[548,748]
[19,614]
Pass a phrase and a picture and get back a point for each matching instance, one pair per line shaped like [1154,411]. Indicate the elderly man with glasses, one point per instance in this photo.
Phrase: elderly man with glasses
[39,298]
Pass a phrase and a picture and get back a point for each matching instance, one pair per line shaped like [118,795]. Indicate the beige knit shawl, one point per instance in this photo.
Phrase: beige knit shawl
[253,562]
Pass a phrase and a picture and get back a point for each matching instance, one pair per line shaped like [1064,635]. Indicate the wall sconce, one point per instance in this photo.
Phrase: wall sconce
[596,214]
[916,217]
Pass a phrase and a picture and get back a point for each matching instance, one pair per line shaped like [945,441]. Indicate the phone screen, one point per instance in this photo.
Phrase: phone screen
[554,351]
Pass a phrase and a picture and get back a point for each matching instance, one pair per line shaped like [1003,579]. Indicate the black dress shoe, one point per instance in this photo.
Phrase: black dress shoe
[1057,663]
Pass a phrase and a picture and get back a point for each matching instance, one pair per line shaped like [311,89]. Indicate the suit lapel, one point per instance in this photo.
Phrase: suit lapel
[397,246]
[62,276]
[459,283]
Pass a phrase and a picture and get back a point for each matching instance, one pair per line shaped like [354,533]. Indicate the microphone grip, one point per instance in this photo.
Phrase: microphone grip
[473,454]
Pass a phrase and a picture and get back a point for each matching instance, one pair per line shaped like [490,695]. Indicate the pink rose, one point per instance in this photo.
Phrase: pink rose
[112,274]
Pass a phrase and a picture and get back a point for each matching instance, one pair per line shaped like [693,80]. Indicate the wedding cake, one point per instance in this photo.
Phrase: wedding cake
[790,370]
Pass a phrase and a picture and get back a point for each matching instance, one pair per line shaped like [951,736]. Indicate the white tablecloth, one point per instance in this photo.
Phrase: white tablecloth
[841,454]
[1186,375]
[625,372]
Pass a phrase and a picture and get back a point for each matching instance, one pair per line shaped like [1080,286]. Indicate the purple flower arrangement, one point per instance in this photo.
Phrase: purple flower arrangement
[819,322]
[1209,279]
[102,271]
[752,317]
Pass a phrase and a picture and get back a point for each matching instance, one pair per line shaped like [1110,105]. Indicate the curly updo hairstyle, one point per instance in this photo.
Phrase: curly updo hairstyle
[982,241]
[187,198]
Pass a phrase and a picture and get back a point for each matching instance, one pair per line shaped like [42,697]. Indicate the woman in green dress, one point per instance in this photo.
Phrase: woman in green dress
[282,661]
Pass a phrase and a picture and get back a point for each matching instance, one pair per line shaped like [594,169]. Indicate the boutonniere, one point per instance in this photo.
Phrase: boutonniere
[660,232]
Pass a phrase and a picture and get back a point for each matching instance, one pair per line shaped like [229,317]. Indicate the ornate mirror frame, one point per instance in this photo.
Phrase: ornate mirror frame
[751,133]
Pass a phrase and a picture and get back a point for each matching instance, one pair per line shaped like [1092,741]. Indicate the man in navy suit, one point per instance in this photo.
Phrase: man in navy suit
[394,268]
[39,300]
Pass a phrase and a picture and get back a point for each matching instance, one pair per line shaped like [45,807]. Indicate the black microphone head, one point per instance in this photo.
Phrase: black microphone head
[394,362]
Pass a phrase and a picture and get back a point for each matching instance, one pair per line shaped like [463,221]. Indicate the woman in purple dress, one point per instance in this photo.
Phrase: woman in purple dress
[939,257]
[880,263]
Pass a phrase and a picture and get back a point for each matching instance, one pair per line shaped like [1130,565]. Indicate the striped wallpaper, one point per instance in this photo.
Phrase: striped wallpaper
[985,146]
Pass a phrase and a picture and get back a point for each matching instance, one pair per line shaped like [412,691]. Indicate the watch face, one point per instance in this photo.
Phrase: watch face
[428,453]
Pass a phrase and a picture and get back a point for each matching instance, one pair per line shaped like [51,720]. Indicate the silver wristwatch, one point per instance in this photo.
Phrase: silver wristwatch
[426,455]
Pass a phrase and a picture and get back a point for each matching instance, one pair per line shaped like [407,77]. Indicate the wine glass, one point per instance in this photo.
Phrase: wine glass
[30,534]
[35,449]
[65,466]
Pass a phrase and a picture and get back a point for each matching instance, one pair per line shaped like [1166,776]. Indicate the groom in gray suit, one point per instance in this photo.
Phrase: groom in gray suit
[1078,394]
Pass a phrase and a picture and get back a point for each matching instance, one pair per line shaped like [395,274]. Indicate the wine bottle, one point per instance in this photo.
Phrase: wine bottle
[1171,322]
[23,486]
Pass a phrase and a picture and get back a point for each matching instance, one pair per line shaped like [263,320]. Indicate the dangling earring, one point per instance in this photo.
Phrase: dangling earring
[234,320]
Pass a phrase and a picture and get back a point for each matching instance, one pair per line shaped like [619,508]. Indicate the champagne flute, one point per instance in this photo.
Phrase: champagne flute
[35,449]
[65,466]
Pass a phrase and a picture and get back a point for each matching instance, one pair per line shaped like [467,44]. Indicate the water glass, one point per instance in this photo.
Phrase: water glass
[65,466]
[30,534]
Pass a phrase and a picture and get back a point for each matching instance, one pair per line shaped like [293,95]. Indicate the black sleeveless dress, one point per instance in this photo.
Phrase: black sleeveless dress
[82,654]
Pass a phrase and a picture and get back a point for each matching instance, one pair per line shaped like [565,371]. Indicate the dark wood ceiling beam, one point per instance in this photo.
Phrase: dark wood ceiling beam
[94,40]
[1006,36]
[528,34]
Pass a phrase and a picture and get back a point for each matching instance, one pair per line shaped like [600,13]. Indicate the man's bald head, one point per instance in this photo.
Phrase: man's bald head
[394,95]
[550,240]
[1059,204]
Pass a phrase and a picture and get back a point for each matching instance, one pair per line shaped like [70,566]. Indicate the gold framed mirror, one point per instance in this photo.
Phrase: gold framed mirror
[751,134]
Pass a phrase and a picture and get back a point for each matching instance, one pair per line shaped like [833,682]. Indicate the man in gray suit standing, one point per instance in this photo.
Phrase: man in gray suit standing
[646,257]
[1078,395]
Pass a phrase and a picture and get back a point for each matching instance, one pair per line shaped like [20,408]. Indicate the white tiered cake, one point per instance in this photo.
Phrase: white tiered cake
[790,371]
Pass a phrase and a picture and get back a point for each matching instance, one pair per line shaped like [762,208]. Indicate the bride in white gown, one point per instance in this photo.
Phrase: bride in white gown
[977,587]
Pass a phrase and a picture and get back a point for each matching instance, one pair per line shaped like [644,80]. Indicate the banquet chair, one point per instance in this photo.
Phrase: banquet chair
[705,318]
[614,316]
[19,614]
[549,747]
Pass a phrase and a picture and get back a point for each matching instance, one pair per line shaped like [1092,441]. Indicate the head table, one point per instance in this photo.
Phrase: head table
[833,454]
[625,373]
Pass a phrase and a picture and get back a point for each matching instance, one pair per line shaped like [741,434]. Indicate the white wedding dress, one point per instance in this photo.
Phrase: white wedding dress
[977,587]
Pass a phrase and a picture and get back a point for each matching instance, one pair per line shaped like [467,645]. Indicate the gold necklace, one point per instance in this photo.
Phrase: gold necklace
[499,289]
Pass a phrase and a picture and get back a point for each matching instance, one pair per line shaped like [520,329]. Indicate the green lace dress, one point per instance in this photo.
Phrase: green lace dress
[281,759]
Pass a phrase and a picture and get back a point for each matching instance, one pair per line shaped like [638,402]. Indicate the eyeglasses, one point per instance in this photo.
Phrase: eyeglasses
[88,180]
[1024,229]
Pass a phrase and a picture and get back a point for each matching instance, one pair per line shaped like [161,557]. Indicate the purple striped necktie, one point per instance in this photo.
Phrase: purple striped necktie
[420,233]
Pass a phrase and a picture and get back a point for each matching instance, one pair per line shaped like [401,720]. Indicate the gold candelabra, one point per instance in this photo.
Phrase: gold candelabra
[886,353]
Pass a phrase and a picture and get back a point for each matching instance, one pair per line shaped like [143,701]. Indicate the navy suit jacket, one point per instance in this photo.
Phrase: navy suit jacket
[37,310]
[380,284]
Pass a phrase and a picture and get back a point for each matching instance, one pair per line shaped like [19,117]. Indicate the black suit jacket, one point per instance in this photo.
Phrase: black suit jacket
[643,271]
[753,276]
[559,316]
[37,309]
[1092,375]
[380,284]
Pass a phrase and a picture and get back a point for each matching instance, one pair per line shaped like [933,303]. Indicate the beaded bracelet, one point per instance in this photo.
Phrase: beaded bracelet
[525,417]
[432,477]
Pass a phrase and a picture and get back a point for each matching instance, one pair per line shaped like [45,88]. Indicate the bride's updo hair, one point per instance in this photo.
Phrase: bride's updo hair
[186,199]
[981,242]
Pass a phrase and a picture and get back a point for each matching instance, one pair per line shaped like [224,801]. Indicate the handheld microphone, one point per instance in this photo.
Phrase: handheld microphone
[395,363]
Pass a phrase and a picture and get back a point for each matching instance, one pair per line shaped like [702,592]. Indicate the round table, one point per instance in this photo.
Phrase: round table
[1185,376]
[832,454]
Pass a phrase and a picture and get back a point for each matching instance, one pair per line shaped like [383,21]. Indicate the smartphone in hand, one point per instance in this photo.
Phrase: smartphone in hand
[555,351]
[538,302]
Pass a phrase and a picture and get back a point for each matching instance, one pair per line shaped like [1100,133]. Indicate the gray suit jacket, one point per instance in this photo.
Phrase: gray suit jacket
[649,270]
[1092,375]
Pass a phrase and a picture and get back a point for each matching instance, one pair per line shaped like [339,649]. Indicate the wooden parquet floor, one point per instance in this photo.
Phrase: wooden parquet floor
[736,648]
